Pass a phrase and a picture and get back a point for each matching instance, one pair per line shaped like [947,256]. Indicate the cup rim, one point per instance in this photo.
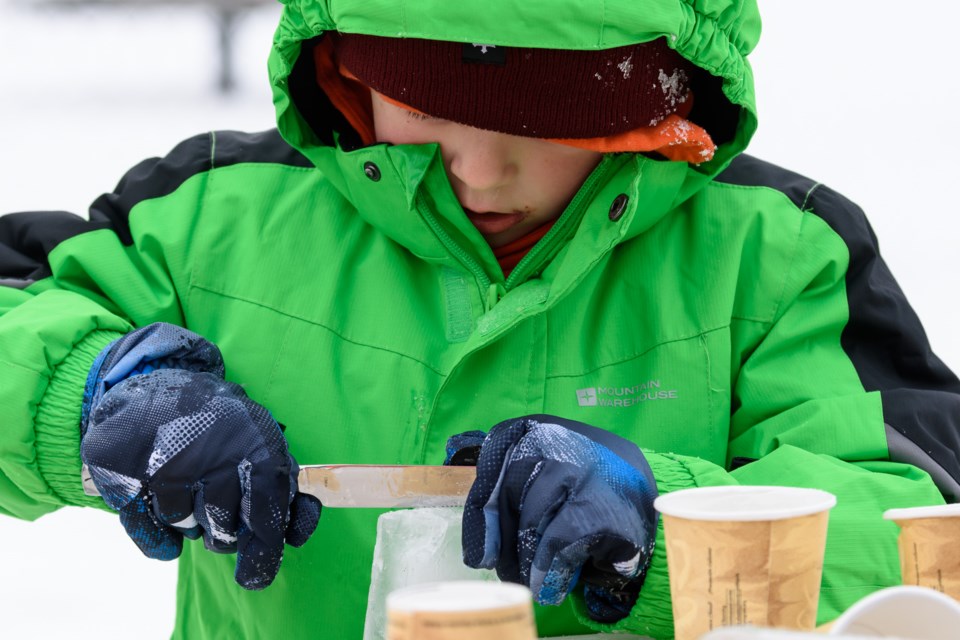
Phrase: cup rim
[883,598]
[470,596]
[771,502]
[929,511]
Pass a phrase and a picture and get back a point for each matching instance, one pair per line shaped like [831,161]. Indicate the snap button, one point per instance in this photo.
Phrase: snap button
[618,206]
[372,171]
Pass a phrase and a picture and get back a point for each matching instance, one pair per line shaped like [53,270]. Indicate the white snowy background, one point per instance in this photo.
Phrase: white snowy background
[848,94]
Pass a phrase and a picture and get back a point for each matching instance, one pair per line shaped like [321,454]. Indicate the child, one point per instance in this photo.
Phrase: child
[587,241]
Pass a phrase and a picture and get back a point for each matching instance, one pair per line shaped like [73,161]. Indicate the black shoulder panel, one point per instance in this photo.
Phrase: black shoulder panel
[884,337]
[747,171]
[152,178]
[235,147]
[27,238]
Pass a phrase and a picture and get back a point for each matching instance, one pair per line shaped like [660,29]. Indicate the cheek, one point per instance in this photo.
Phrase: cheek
[387,123]
[560,176]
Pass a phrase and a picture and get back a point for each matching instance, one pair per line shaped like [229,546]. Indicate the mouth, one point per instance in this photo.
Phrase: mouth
[489,223]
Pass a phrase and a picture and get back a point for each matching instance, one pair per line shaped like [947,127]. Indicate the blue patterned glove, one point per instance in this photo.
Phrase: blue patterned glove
[179,452]
[557,502]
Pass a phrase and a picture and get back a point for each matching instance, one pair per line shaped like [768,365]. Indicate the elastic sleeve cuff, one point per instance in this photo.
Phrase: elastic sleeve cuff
[58,421]
[652,615]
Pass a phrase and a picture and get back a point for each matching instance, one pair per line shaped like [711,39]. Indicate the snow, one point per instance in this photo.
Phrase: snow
[87,94]
[674,86]
[113,88]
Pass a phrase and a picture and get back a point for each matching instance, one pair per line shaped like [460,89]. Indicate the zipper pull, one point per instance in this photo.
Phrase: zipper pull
[495,292]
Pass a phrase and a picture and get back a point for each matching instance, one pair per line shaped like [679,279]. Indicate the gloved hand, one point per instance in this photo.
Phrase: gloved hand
[557,502]
[179,452]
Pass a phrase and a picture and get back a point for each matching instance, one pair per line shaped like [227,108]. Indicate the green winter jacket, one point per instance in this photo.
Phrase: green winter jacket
[734,319]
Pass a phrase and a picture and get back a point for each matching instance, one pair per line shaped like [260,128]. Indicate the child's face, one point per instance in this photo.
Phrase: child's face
[507,185]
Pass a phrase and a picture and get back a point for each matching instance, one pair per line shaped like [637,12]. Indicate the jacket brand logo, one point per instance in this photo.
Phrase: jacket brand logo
[587,397]
[476,53]
[624,396]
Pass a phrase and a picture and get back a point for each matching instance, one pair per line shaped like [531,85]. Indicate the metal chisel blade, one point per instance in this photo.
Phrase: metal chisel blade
[387,486]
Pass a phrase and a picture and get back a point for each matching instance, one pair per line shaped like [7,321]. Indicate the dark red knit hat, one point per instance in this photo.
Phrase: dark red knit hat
[540,93]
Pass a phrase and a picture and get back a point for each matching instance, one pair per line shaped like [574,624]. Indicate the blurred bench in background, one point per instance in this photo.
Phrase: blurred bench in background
[225,13]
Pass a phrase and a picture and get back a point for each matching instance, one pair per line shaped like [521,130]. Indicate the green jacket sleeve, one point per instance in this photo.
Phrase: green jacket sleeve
[68,287]
[47,344]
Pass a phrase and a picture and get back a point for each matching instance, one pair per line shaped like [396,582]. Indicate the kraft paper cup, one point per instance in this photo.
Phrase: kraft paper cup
[461,611]
[929,553]
[744,555]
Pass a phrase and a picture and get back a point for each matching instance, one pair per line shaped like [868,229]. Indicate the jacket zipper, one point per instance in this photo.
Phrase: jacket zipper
[464,257]
[566,225]
[490,292]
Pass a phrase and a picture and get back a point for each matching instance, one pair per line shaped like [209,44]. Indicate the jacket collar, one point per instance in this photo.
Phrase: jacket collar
[412,202]
[403,191]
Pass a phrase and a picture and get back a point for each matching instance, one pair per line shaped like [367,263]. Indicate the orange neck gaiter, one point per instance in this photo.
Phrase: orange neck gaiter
[510,254]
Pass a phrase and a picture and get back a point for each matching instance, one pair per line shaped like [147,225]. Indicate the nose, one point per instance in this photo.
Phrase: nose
[480,160]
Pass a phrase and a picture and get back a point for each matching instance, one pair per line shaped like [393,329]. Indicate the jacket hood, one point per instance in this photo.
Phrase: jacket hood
[716,36]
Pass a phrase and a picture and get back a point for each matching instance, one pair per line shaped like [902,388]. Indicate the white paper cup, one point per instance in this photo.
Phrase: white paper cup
[461,611]
[914,613]
[929,553]
[744,555]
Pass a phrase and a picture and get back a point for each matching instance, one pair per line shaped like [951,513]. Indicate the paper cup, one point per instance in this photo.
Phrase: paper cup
[929,554]
[901,612]
[461,611]
[744,555]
